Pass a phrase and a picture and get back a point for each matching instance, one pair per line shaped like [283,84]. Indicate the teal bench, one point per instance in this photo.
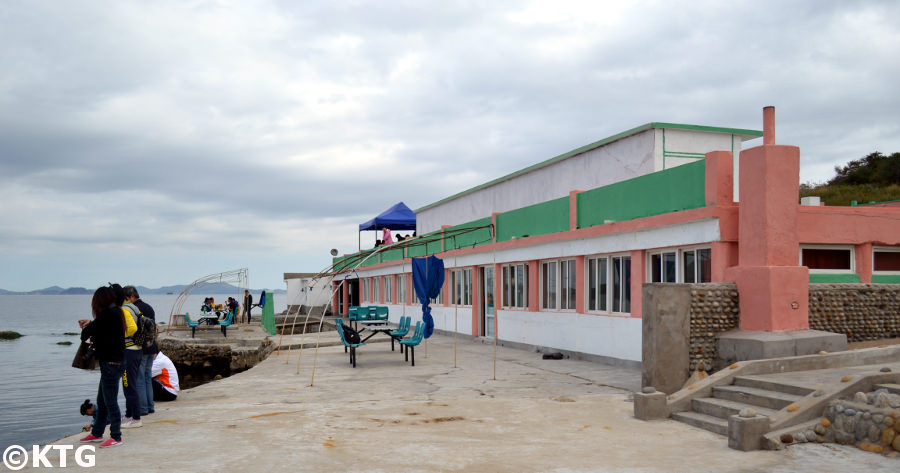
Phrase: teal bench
[381,312]
[193,324]
[402,331]
[411,342]
[352,346]
[229,319]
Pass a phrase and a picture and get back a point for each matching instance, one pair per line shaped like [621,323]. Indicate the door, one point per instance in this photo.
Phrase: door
[487,293]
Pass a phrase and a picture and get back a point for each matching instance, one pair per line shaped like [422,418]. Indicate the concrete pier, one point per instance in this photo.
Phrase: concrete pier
[385,415]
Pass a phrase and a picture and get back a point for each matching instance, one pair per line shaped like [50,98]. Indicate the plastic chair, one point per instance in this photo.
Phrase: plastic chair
[352,346]
[411,342]
[193,324]
[229,319]
[402,331]
[381,312]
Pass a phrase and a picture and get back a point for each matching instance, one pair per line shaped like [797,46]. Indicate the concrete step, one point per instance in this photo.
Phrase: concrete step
[724,408]
[770,385]
[703,421]
[892,388]
[755,396]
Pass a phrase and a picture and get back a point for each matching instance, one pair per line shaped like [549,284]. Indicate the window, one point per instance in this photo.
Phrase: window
[662,267]
[376,289]
[621,279]
[388,289]
[696,265]
[401,289]
[886,260]
[598,290]
[558,284]
[515,285]
[461,286]
[827,259]
[366,295]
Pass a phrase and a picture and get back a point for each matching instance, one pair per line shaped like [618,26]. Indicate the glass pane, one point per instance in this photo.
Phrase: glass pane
[617,285]
[602,272]
[669,267]
[505,285]
[592,284]
[689,266]
[705,265]
[887,261]
[819,258]
[655,268]
[521,287]
[571,287]
[626,298]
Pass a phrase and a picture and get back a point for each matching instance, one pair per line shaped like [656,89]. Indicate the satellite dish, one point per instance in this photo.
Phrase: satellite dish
[334,252]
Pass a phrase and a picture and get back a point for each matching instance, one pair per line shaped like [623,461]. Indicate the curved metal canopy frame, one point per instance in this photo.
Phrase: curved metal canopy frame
[236,277]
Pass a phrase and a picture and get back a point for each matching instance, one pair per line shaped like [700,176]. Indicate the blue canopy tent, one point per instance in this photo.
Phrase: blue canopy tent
[428,278]
[398,217]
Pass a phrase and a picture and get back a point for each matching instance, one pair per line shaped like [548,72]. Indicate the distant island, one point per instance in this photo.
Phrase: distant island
[219,288]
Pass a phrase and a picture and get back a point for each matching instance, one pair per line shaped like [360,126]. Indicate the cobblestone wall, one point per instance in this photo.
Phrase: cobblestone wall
[715,308]
[860,311]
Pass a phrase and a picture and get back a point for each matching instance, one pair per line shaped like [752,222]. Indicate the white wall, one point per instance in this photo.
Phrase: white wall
[629,157]
[306,291]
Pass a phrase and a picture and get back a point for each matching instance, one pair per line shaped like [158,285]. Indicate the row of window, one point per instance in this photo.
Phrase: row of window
[608,281]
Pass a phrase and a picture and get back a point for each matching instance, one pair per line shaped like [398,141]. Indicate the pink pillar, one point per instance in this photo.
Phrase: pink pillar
[774,289]
[534,286]
[724,255]
[719,178]
[345,286]
[864,262]
[638,276]
[334,303]
[573,209]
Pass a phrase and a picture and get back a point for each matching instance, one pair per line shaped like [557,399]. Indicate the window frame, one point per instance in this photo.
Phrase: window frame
[607,293]
[461,287]
[884,249]
[697,267]
[562,300]
[388,285]
[510,286]
[850,248]
[625,286]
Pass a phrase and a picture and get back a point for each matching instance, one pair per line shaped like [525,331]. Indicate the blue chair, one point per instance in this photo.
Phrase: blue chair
[413,341]
[352,346]
[402,331]
[193,324]
[229,319]
[353,312]
[381,312]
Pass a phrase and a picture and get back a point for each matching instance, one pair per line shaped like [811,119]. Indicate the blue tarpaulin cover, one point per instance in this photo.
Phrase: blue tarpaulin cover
[428,278]
[398,217]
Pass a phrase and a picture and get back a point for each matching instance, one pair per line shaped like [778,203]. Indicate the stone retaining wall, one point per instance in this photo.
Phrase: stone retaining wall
[859,311]
[198,363]
[715,308]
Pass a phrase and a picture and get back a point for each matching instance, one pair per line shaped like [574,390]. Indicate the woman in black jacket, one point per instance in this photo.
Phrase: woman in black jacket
[107,333]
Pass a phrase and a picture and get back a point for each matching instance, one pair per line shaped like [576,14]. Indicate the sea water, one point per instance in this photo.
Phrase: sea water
[41,392]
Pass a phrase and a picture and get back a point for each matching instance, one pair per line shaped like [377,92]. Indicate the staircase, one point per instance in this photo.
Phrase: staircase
[766,396]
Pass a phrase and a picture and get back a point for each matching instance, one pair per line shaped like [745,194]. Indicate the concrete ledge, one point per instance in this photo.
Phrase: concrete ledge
[746,433]
[650,406]
[742,345]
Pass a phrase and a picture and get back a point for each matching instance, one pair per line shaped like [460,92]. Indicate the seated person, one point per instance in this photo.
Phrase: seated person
[207,306]
[165,378]
[232,305]
[87,409]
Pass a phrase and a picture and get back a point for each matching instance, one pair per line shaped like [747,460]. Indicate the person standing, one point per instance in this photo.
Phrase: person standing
[144,386]
[386,236]
[107,334]
[248,301]
[133,354]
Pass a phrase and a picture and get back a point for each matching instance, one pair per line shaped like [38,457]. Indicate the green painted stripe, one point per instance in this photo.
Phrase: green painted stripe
[833,278]
[671,190]
[539,219]
[886,278]
[749,134]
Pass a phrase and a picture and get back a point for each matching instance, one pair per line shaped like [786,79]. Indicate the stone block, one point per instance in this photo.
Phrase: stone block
[651,406]
[741,345]
[666,328]
[746,433]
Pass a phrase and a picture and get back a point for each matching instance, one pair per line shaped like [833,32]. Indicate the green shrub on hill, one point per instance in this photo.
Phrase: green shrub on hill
[874,178]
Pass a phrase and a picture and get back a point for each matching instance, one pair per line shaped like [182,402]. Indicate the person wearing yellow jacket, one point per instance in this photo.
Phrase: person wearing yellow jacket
[133,356]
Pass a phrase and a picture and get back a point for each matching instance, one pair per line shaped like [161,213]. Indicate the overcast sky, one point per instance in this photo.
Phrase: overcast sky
[153,143]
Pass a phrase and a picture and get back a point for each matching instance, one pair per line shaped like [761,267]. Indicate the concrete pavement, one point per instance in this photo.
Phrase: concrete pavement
[385,415]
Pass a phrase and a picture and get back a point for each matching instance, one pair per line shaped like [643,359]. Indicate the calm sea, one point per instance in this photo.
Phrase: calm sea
[41,391]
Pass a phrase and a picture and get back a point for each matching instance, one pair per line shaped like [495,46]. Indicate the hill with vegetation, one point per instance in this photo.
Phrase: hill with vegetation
[874,178]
